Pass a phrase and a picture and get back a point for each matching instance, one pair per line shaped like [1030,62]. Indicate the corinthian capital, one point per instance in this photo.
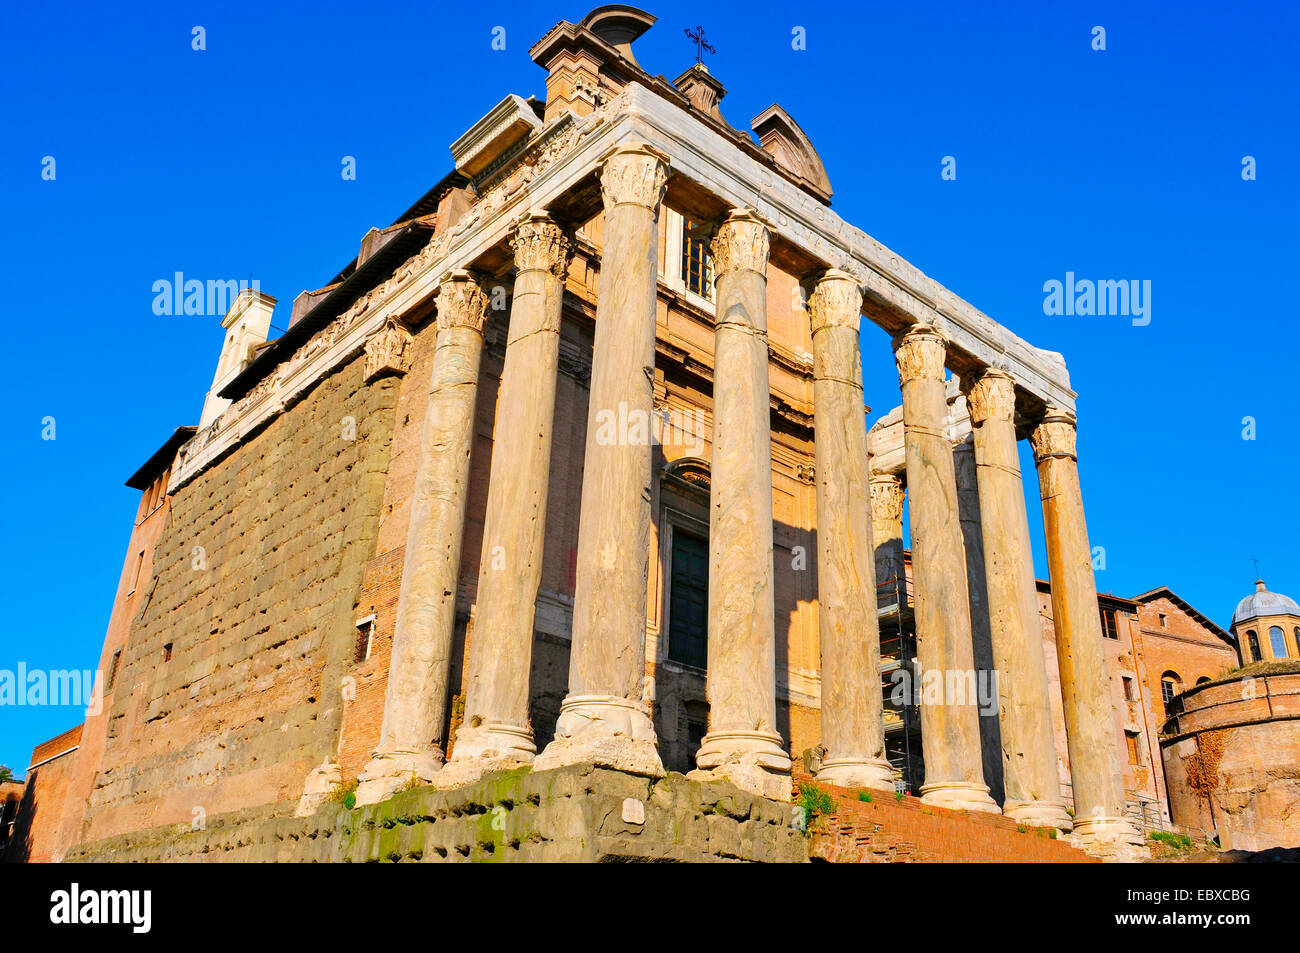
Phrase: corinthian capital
[919,352]
[741,242]
[388,351]
[461,302]
[634,174]
[541,245]
[989,394]
[1054,436]
[836,301]
[886,497]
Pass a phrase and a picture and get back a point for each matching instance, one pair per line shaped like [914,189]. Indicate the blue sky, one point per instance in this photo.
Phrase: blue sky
[1123,163]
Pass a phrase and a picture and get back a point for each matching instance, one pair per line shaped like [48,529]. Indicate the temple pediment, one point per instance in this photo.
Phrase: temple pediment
[782,138]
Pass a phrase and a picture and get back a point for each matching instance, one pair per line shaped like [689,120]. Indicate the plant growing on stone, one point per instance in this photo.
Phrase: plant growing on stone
[815,802]
[864,797]
[345,793]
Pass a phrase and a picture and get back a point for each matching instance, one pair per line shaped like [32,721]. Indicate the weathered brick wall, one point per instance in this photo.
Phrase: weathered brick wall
[230,685]
[887,830]
[36,824]
[1232,761]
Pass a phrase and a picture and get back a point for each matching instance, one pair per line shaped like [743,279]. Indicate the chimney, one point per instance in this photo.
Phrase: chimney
[247,324]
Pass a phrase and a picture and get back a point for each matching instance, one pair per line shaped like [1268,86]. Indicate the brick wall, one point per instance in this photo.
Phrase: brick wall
[888,830]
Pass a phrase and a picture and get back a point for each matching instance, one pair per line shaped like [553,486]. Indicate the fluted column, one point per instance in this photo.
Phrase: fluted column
[1032,787]
[1099,821]
[495,732]
[605,718]
[852,705]
[887,536]
[950,733]
[415,702]
[742,743]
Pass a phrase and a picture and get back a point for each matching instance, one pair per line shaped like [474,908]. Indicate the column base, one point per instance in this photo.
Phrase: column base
[492,747]
[1046,813]
[753,761]
[959,796]
[605,730]
[318,787]
[858,773]
[1112,839]
[388,772]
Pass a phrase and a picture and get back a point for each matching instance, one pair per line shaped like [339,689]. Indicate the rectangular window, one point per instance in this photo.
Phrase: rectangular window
[697,263]
[1131,739]
[688,625]
[135,571]
[1128,688]
[167,652]
[1109,624]
[112,670]
[365,637]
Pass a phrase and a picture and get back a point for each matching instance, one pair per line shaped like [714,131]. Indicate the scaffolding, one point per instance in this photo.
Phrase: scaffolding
[898,653]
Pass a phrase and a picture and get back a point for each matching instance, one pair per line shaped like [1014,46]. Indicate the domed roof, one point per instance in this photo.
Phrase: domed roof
[1261,602]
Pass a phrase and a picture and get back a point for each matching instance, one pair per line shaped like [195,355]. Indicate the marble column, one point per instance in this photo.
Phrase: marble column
[742,743]
[605,718]
[887,536]
[1032,787]
[950,734]
[972,533]
[415,703]
[1099,821]
[852,705]
[495,732]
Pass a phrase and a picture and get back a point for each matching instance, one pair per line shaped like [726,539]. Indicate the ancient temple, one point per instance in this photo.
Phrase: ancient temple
[569,466]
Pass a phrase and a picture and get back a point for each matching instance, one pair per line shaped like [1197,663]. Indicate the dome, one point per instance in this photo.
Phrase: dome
[1261,602]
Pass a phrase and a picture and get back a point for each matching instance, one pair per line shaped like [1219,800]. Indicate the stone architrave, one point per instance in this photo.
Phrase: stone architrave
[495,732]
[605,718]
[415,703]
[946,687]
[742,743]
[852,704]
[1032,787]
[1099,822]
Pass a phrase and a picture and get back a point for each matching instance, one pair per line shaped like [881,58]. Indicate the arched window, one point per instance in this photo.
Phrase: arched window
[1202,680]
[1296,632]
[1170,685]
[1252,645]
[1277,641]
